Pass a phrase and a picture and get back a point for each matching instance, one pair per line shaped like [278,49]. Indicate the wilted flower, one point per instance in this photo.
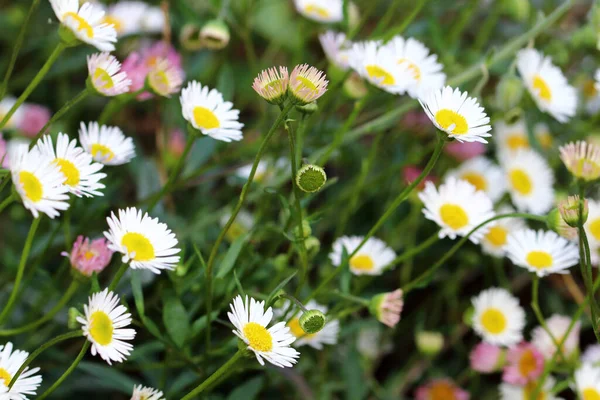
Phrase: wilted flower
[387,307]
[441,389]
[582,159]
[569,211]
[487,358]
[34,118]
[88,256]
[307,84]
[525,364]
[272,84]
[558,326]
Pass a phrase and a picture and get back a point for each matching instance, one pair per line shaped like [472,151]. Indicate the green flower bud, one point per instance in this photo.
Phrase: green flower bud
[313,245]
[509,92]
[309,108]
[312,321]
[190,37]
[517,9]
[429,343]
[468,316]
[555,222]
[569,210]
[306,230]
[215,34]
[311,178]
[72,318]
[354,87]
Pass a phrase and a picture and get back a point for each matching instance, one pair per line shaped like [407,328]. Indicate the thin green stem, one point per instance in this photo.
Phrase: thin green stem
[48,316]
[414,251]
[118,276]
[60,47]
[176,171]
[26,249]
[417,281]
[535,305]
[66,107]
[215,376]
[68,372]
[17,48]
[350,297]
[238,207]
[40,350]
[397,30]
[12,197]
[117,103]
[295,301]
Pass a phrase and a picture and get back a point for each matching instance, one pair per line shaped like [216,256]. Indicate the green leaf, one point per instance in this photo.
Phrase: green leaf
[110,377]
[232,255]
[201,151]
[176,320]
[95,284]
[238,284]
[247,390]
[199,324]
[152,327]
[226,81]
[279,287]
[138,294]
[346,274]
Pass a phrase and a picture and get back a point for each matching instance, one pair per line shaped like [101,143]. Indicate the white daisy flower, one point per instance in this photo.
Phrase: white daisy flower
[104,326]
[494,241]
[153,20]
[541,252]
[336,48]
[251,320]
[126,17]
[425,69]
[380,67]
[529,180]
[371,259]
[483,174]
[591,355]
[327,335]
[81,173]
[86,23]
[164,78]
[510,138]
[498,318]
[144,242]
[558,326]
[587,382]
[597,79]
[106,144]
[146,393]
[106,76]
[457,207]
[547,84]
[17,118]
[592,224]
[27,383]
[516,392]
[207,111]
[39,181]
[460,116]
[326,11]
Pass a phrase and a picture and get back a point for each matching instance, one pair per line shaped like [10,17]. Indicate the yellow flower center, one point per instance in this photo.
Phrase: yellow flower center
[412,67]
[493,321]
[235,231]
[590,394]
[306,83]
[69,170]
[102,79]
[101,328]
[297,330]
[545,139]
[362,262]
[527,363]
[589,89]
[542,88]
[520,181]
[442,391]
[138,244]
[316,10]
[88,255]
[452,121]
[497,236]
[83,26]
[595,228]
[101,151]
[517,141]
[31,185]
[476,180]
[159,81]
[539,259]
[205,118]
[529,388]
[5,376]
[380,74]
[258,336]
[114,21]
[454,216]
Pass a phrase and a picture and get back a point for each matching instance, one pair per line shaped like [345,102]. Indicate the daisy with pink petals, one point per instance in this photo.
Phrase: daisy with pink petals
[441,389]
[34,118]
[307,84]
[582,159]
[106,76]
[88,256]
[524,364]
[387,307]
[487,358]
[164,78]
[272,84]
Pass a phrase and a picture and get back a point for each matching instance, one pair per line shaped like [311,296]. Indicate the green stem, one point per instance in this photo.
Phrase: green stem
[352,298]
[36,81]
[68,372]
[17,48]
[407,21]
[12,197]
[82,95]
[40,350]
[238,207]
[535,305]
[117,103]
[118,276]
[48,316]
[417,281]
[15,291]
[414,251]
[176,171]
[215,376]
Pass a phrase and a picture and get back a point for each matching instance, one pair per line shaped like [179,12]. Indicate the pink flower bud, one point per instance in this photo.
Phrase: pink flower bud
[525,364]
[486,358]
[440,389]
[87,257]
[34,119]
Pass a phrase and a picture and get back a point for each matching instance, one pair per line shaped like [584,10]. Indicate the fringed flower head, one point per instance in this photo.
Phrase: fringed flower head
[387,307]
[525,364]
[307,84]
[569,210]
[106,76]
[441,389]
[272,84]
[582,159]
[165,78]
[88,256]
[146,393]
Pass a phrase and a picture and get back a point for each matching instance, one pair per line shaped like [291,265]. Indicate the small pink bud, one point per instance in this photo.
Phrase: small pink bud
[88,257]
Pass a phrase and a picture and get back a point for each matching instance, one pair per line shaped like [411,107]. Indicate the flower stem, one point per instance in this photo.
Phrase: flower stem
[215,376]
[61,303]
[352,298]
[417,281]
[39,350]
[13,295]
[118,276]
[82,95]
[535,305]
[235,212]
[68,372]
[60,47]
[415,250]
[7,201]
[17,48]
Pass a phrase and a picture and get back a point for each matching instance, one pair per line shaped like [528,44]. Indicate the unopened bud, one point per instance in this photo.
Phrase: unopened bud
[311,178]
[312,321]
[555,222]
[313,245]
[215,34]
[190,37]
[309,108]
[569,211]
[429,343]
[509,92]
[517,9]
[354,87]
[306,230]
